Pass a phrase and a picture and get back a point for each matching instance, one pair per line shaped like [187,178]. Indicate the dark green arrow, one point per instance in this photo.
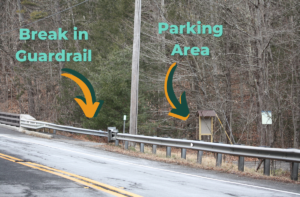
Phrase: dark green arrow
[180,108]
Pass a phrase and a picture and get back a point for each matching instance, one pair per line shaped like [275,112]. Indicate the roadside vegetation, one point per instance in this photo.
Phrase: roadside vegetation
[253,67]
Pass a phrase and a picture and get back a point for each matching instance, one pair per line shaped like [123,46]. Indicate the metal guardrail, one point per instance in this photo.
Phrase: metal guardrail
[266,154]
[292,155]
[10,119]
[30,124]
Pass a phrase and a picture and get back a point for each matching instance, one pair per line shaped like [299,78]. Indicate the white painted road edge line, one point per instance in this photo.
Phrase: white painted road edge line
[124,162]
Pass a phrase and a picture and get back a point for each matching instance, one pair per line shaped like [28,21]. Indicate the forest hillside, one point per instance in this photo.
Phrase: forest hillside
[253,66]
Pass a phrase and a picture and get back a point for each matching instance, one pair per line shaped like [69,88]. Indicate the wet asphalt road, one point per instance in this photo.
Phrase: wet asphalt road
[17,181]
[139,176]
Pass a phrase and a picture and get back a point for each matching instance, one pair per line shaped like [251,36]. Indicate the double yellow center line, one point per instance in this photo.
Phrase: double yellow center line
[73,177]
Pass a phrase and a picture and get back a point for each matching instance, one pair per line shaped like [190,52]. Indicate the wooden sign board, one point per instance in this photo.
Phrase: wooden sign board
[206,121]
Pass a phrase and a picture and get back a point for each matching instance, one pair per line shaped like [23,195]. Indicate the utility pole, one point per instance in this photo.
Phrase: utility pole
[135,69]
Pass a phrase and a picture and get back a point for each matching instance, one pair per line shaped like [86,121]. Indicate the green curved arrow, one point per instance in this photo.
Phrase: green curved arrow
[180,108]
[88,104]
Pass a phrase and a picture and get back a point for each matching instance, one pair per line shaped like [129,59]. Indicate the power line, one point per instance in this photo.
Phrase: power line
[45,17]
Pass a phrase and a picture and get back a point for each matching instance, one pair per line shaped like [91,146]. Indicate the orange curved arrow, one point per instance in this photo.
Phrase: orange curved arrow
[89,108]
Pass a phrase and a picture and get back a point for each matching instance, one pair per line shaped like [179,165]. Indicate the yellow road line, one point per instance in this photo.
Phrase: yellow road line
[7,159]
[13,158]
[79,179]
[76,180]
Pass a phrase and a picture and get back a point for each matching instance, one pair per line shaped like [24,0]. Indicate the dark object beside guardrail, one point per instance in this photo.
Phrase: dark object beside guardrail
[112,133]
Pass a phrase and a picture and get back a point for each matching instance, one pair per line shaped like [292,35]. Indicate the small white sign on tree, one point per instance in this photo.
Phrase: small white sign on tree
[266,117]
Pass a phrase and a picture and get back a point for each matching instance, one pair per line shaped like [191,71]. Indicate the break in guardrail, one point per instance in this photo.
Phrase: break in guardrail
[10,119]
[290,155]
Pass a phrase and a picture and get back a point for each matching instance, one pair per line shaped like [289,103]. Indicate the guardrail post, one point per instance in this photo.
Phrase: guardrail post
[294,171]
[142,147]
[199,156]
[54,131]
[108,135]
[116,142]
[183,153]
[154,149]
[241,163]
[267,167]
[219,159]
[126,145]
[168,151]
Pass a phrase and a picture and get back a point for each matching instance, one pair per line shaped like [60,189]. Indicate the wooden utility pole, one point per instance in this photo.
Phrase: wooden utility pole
[135,69]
